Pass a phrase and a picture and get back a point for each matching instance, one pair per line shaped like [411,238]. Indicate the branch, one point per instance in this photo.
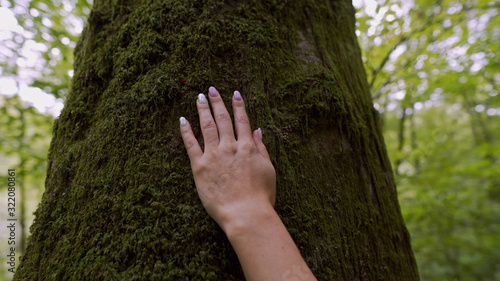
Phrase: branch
[401,40]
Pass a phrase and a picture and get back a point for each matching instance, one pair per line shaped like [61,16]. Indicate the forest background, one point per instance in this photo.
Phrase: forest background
[434,73]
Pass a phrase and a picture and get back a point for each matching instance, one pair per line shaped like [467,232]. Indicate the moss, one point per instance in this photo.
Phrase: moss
[120,202]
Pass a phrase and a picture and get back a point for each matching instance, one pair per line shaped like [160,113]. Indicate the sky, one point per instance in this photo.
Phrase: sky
[48,104]
[9,86]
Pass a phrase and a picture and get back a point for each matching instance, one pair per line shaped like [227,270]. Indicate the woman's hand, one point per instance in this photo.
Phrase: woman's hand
[234,176]
[236,182]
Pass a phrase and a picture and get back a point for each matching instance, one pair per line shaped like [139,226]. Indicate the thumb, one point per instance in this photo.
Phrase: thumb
[257,138]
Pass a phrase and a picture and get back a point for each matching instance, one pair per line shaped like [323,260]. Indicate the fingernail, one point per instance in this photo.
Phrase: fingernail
[260,133]
[237,96]
[202,98]
[183,122]
[212,92]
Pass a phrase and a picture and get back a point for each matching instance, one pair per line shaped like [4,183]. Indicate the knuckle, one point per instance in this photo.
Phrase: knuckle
[212,156]
[242,119]
[198,167]
[198,170]
[223,117]
[195,167]
[210,124]
[190,143]
[230,148]
[249,146]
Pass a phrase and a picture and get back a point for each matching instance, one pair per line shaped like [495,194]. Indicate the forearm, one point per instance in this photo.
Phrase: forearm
[265,249]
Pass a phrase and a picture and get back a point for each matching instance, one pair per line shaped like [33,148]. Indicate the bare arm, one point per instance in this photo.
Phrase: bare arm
[236,182]
[265,249]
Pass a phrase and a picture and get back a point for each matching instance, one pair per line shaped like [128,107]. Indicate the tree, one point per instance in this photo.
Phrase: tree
[120,201]
[23,147]
[435,73]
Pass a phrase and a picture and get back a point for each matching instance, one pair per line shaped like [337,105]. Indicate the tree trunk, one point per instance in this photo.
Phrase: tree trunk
[120,200]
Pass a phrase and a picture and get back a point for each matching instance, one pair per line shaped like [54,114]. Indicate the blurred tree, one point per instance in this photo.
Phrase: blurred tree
[36,45]
[35,50]
[120,201]
[434,71]
[23,146]
[39,51]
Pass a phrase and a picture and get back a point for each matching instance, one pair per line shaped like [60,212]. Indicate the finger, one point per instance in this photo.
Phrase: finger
[190,142]
[222,117]
[207,123]
[241,121]
[257,137]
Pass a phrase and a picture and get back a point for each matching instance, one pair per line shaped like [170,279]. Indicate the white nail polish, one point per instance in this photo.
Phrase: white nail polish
[202,98]
[237,96]
[183,122]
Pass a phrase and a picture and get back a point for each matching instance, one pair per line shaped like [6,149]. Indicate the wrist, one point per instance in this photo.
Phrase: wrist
[247,218]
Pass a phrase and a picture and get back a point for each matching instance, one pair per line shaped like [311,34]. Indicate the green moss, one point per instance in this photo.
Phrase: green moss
[120,201]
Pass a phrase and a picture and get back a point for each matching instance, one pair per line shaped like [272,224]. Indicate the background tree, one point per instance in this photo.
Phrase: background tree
[120,200]
[434,73]
[25,137]
[36,45]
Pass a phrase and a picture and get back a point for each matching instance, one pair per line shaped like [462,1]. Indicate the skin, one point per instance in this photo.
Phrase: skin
[236,182]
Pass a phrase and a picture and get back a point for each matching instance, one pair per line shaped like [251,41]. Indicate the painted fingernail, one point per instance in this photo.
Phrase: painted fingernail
[260,133]
[212,92]
[183,122]
[202,98]
[237,96]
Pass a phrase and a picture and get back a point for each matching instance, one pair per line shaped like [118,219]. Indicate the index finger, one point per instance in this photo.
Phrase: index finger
[190,142]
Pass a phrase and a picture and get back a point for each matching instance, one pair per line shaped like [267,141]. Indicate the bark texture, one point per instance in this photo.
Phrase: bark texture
[120,201]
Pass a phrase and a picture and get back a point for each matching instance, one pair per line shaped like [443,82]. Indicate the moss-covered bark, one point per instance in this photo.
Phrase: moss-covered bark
[120,201]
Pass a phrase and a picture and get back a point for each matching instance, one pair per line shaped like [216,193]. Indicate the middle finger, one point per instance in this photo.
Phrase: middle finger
[207,124]
[222,117]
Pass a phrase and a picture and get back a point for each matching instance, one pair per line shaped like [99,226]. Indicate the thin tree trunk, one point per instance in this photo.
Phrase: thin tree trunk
[120,201]
[22,186]
[401,140]
[414,142]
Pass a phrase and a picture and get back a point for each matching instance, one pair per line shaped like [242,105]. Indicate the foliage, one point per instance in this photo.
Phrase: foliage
[39,51]
[434,73]
[25,140]
[448,190]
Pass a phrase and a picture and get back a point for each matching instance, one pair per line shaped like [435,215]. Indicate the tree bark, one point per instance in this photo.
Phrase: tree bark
[120,200]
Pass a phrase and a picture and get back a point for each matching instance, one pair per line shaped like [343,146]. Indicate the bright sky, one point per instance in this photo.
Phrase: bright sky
[10,86]
[370,6]
[29,62]
[46,103]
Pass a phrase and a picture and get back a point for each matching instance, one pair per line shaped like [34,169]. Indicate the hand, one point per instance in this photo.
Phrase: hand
[234,177]
[236,182]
